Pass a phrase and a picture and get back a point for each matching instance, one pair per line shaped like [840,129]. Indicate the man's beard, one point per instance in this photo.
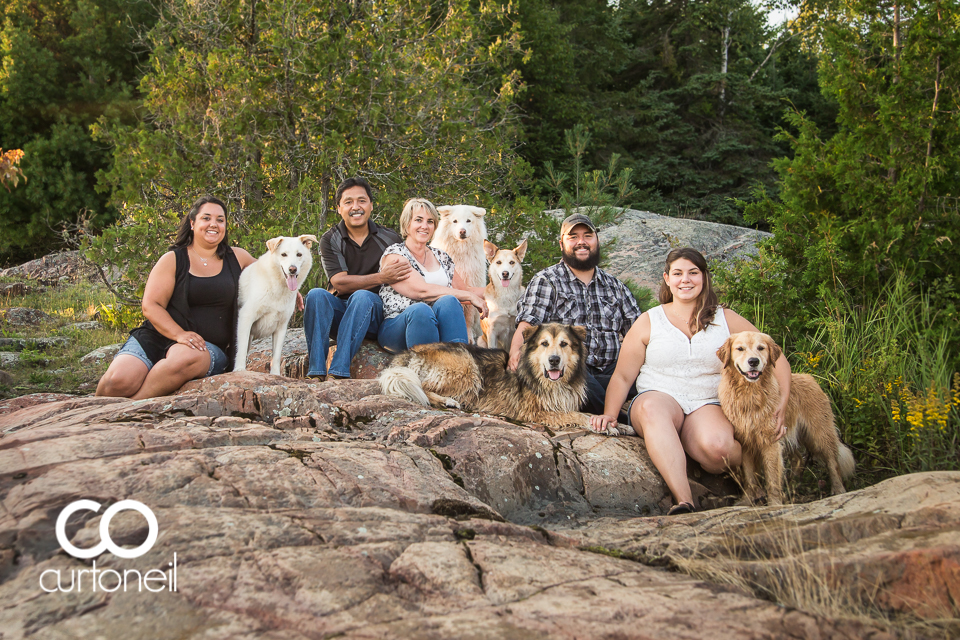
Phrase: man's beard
[587,264]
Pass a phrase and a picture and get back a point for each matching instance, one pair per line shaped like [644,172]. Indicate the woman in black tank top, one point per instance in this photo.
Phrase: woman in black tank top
[190,299]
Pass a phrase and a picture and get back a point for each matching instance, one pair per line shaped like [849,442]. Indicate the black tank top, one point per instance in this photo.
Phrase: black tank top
[211,303]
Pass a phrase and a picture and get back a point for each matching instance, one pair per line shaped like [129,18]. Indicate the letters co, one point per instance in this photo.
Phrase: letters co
[154,579]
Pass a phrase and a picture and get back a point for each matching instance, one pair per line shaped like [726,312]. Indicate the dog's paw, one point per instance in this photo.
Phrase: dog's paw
[617,430]
[450,403]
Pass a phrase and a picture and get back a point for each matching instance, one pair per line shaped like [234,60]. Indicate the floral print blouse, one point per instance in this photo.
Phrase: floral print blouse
[394,303]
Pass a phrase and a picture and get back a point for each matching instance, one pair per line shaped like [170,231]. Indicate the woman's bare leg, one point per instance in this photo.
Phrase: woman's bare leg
[657,418]
[707,437]
[123,377]
[181,365]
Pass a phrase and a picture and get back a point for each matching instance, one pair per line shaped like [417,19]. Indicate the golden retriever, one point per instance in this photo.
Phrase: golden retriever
[749,395]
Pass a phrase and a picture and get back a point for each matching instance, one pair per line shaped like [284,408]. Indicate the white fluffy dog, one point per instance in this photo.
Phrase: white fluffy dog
[461,233]
[268,295]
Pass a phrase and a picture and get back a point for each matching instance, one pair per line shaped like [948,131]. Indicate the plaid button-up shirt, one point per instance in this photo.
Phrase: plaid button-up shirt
[605,307]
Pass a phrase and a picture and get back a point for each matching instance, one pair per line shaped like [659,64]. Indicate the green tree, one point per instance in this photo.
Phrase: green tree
[270,105]
[62,65]
[880,195]
[687,94]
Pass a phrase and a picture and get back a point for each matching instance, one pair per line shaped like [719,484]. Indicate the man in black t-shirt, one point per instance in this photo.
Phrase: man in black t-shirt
[350,253]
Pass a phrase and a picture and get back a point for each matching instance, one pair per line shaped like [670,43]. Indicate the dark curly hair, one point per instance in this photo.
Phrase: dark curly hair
[706,301]
[185,232]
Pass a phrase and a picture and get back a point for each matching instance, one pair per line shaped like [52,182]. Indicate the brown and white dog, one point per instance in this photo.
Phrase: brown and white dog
[461,232]
[749,395]
[502,294]
[268,295]
[548,386]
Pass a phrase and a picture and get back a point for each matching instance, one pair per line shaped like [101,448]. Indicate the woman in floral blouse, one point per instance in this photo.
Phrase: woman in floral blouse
[427,305]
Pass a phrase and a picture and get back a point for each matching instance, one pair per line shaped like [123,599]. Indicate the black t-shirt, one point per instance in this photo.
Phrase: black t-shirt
[339,253]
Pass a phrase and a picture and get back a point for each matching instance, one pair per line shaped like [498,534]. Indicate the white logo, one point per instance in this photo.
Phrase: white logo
[106,543]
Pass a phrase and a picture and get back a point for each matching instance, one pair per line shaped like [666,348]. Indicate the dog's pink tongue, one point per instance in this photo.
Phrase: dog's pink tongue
[505,282]
[292,282]
[554,375]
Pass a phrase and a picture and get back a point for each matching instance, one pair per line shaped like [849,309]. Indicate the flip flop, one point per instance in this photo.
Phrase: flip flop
[681,508]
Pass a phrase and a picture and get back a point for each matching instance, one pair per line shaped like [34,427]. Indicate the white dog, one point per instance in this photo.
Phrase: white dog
[502,294]
[268,295]
[461,233]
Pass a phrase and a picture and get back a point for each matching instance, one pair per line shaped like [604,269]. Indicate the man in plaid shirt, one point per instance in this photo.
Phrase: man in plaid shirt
[576,291]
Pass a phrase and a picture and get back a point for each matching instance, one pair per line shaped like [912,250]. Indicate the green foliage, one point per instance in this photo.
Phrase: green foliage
[686,95]
[887,366]
[31,357]
[856,278]
[646,299]
[271,109]
[62,65]
[600,195]
[119,316]
[878,197]
[58,367]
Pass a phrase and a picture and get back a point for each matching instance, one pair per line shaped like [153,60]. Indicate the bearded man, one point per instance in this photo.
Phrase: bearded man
[576,291]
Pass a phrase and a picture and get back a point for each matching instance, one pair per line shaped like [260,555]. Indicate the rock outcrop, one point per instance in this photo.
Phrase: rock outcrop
[52,269]
[643,240]
[300,509]
[366,365]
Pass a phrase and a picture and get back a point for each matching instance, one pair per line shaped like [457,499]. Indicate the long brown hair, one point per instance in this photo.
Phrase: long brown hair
[706,301]
[185,232]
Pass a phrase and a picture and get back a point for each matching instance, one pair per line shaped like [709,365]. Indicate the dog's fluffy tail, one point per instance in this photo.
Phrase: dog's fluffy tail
[403,382]
[845,461]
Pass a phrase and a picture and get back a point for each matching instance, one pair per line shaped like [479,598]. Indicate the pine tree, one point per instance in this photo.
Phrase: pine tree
[880,195]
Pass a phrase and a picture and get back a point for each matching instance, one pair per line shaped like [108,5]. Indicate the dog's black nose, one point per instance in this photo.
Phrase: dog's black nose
[505,275]
[292,269]
[753,362]
[463,233]
[554,361]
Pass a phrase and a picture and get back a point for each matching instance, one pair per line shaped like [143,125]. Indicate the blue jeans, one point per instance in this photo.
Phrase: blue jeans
[423,323]
[352,319]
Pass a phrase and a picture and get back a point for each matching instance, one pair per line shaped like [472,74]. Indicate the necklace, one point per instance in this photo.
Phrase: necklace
[201,259]
[423,260]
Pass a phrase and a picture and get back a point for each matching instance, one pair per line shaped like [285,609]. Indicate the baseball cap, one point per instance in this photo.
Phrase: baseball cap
[574,220]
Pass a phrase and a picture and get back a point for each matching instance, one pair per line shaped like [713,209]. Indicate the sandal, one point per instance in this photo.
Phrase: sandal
[681,508]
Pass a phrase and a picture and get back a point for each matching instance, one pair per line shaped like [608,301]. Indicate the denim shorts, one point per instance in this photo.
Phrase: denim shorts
[218,359]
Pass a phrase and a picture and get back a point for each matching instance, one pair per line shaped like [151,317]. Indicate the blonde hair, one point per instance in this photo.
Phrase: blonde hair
[412,205]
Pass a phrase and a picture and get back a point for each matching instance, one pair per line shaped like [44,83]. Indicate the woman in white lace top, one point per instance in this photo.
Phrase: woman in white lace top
[426,306]
[671,352]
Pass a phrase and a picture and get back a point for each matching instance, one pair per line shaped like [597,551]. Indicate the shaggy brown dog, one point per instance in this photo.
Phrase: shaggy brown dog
[548,386]
[749,395]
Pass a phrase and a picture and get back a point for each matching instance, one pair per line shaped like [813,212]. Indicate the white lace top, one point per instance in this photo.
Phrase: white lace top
[687,369]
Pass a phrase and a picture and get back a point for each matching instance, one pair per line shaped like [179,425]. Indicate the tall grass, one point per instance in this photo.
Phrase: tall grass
[58,368]
[890,373]
[780,562]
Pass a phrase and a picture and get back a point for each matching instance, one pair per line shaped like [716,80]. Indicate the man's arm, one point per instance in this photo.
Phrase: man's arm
[345,284]
[337,270]
[631,310]
[516,344]
[531,311]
